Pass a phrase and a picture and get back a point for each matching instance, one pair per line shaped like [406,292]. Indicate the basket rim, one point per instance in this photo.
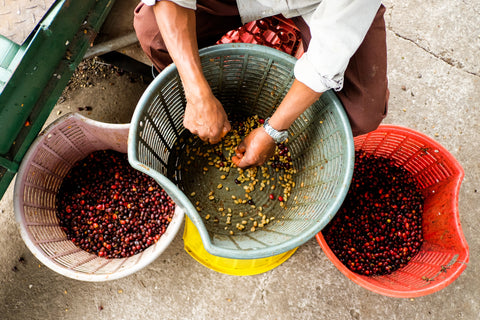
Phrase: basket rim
[392,128]
[193,245]
[182,200]
[465,255]
[18,193]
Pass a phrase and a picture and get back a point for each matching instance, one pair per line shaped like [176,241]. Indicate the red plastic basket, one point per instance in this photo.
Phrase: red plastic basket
[276,32]
[444,253]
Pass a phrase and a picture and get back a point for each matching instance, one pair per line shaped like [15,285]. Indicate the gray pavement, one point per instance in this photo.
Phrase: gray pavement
[434,74]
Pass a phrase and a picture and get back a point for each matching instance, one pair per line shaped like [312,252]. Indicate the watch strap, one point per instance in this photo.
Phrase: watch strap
[278,136]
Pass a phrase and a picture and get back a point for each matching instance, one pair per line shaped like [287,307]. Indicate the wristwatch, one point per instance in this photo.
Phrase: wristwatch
[278,136]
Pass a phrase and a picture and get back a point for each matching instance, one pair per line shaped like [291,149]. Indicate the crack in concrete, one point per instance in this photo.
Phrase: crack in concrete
[452,62]
[471,7]
[262,290]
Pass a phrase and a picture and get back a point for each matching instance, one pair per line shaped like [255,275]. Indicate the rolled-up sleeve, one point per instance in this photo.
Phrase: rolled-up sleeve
[337,27]
[190,4]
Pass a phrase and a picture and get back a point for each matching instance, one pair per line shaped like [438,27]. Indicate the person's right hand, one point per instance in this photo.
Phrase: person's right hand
[206,118]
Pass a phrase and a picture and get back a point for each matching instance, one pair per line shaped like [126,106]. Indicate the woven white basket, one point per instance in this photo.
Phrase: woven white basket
[66,141]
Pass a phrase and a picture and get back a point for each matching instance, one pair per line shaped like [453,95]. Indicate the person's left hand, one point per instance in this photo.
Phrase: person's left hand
[254,150]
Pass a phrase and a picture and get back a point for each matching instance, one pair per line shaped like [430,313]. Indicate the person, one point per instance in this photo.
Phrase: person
[345,50]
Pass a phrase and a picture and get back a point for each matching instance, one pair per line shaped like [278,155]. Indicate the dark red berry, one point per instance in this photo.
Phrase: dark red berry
[378,228]
[107,208]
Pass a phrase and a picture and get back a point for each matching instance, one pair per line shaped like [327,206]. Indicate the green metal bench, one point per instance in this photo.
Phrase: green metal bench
[34,74]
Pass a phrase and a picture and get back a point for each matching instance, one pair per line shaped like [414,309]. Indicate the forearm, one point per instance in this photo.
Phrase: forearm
[177,26]
[296,101]
[258,146]
[204,114]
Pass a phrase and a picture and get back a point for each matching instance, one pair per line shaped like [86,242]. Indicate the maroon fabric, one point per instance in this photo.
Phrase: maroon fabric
[365,90]
[214,18]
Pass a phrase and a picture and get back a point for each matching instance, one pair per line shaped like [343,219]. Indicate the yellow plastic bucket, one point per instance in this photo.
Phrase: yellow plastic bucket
[237,267]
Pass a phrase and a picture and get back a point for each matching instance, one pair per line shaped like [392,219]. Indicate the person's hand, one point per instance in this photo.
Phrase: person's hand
[254,150]
[206,118]
[204,114]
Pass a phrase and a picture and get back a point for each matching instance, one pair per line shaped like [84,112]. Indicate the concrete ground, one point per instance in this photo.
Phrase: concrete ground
[434,75]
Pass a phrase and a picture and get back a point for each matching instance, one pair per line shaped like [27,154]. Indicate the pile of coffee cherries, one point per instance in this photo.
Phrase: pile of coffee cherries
[110,209]
[378,229]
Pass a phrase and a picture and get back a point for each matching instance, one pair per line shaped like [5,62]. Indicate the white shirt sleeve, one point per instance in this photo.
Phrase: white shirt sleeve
[190,4]
[337,27]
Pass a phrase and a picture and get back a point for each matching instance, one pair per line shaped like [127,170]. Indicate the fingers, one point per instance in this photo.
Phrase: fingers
[238,158]
[206,118]
[217,137]
[237,161]
[243,158]
[208,134]
[241,148]
[254,150]
[244,162]
[213,140]
[226,128]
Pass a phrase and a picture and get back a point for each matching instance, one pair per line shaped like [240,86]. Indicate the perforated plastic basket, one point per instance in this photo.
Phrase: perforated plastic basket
[64,142]
[445,253]
[249,79]
[235,267]
[275,32]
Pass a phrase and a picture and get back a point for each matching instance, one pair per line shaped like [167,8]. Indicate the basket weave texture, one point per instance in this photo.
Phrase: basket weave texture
[249,79]
[66,141]
[444,253]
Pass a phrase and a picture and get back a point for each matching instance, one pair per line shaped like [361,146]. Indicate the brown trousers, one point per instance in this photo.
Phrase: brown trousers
[365,90]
